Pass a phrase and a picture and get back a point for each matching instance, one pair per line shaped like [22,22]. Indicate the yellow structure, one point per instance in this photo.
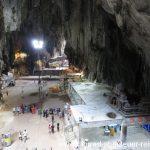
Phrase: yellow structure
[112,131]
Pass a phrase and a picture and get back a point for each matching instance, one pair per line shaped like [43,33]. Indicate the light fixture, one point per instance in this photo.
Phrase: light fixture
[37,44]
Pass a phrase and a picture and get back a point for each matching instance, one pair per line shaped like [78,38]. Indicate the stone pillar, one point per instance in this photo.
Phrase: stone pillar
[123,136]
[79,139]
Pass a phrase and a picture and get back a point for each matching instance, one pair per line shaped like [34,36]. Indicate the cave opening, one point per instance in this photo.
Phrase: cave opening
[85,63]
[103,42]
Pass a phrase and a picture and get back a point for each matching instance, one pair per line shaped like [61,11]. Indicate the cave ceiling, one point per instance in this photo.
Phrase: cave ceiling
[108,39]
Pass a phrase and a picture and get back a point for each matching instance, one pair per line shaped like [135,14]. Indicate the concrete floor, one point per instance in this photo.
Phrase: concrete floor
[36,126]
[137,139]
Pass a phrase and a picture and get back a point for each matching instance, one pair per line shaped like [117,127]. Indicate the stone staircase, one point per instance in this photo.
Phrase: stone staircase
[69,130]
[69,134]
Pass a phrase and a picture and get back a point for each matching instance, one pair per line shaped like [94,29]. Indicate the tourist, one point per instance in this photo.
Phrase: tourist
[52,118]
[14,110]
[26,108]
[39,81]
[33,110]
[50,111]
[63,114]
[60,114]
[49,127]
[20,136]
[18,109]
[52,128]
[46,113]
[59,109]
[86,142]
[46,94]
[58,127]
[54,111]
[43,112]
[25,135]
[22,108]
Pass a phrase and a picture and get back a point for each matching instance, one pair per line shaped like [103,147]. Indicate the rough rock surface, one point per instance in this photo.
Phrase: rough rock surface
[11,13]
[108,39]
[2,37]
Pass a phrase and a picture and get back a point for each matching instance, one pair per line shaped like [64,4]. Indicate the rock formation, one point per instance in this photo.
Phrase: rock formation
[108,39]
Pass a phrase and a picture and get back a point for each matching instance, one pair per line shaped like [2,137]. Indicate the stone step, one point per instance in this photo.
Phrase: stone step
[69,136]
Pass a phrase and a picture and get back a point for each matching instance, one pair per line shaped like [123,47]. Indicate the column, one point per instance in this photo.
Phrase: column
[123,136]
[79,138]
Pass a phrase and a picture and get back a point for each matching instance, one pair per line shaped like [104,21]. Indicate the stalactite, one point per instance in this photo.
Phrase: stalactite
[95,42]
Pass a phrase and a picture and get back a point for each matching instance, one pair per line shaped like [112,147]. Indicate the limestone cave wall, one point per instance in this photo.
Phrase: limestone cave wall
[108,39]
[2,39]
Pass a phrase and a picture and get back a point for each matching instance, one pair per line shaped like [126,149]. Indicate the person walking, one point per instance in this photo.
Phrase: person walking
[58,127]
[52,128]
[25,135]
[52,118]
[18,110]
[86,142]
[20,136]
[22,108]
[63,114]
[57,110]
[14,110]
[49,127]
[43,112]
[54,110]
[46,113]
[60,114]
[33,110]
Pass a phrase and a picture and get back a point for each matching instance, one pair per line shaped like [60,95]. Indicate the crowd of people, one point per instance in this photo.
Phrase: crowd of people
[45,113]
[53,111]
[51,126]
[24,109]
[33,108]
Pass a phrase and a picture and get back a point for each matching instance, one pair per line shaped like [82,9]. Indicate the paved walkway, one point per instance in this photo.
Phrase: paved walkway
[36,125]
[37,128]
